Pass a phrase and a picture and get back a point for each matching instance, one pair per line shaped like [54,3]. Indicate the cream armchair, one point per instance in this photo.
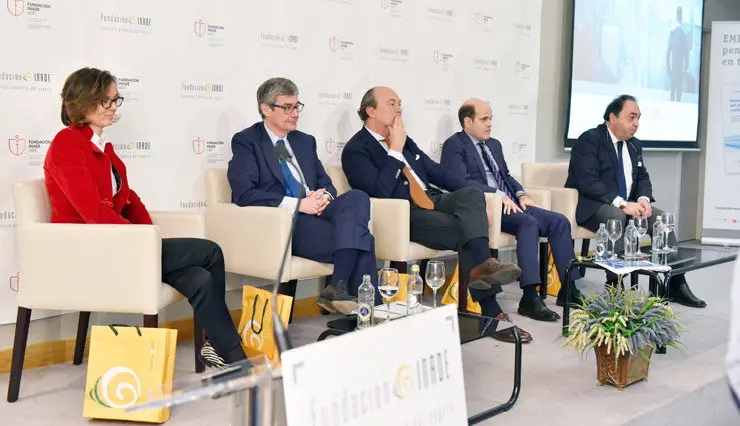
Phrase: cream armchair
[253,238]
[90,268]
[552,176]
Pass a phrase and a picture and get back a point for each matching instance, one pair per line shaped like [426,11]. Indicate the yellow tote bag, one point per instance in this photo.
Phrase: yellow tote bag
[553,279]
[255,326]
[450,295]
[129,366]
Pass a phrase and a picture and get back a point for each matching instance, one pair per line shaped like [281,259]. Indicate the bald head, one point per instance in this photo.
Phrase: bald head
[475,118]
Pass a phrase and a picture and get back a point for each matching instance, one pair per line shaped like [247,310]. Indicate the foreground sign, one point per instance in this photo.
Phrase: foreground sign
[408,372]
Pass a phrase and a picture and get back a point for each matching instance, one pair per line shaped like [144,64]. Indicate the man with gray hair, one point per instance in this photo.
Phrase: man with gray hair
[328,228]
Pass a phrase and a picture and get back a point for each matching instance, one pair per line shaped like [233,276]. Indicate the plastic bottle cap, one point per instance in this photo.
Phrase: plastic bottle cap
[414,267]
[658,217]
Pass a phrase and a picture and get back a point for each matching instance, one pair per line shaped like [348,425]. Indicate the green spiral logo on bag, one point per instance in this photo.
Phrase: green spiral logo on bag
[123,390]
[252,334]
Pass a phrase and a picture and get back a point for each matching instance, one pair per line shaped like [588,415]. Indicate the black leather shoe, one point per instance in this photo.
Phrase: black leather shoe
[575,297]
[682,294]
[535,308]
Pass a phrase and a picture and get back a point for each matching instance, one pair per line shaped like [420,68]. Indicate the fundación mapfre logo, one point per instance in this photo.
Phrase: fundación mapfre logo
[16,7]
[203,29]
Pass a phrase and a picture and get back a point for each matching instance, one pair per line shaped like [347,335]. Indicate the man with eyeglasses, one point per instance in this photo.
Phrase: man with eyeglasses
[329,228]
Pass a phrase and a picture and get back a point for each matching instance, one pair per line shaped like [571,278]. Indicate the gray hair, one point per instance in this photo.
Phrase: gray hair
[368,100]
[268,91]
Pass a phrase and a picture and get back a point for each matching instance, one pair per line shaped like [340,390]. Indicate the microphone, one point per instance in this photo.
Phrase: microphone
[282,338]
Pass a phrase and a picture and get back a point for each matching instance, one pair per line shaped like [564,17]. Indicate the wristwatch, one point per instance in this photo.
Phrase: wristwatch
[622,204]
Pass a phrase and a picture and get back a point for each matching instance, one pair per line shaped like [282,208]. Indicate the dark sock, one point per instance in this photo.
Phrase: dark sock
[530,291]
[234,354]
[344,263]
[490,307]
[478,249]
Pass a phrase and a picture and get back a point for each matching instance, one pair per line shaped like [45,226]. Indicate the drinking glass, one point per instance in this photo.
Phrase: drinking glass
[614,229]
[388,287]
[435,276]
[669,219]
[641,223]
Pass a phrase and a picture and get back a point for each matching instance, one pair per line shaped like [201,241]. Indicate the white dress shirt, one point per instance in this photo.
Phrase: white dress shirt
[398,156]
[99,142]
[626,164]
[288,202]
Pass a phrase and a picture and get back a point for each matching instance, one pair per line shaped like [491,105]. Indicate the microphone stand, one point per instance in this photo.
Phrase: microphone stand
[282,338]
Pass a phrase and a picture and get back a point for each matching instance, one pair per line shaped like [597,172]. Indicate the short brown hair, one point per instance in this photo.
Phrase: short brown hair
[467,110]
[83,90]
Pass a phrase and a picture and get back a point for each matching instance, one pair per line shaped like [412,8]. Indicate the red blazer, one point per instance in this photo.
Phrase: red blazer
[78,179]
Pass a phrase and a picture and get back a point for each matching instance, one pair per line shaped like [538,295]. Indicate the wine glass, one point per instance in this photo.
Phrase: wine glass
[388,287]
[435,276]
[669,219]
[614,229]
[641,223]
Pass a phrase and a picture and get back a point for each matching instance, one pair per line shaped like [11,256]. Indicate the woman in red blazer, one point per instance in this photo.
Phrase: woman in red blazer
[87,183]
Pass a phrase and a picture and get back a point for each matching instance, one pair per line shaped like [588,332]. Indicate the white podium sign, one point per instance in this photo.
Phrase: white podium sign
[408,372]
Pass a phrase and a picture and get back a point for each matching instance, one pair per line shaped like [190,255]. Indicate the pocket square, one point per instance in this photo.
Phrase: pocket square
[417,157]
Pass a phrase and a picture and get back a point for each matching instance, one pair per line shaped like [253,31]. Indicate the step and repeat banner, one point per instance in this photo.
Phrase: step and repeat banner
[721,222]
[189,70]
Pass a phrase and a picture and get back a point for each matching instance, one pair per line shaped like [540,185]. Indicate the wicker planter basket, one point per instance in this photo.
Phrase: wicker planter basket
[626,370]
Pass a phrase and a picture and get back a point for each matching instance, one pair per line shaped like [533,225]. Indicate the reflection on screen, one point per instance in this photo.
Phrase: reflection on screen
[650,49]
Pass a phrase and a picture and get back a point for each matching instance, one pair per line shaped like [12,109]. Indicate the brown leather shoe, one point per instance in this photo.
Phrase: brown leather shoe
[492,272]
[507,336]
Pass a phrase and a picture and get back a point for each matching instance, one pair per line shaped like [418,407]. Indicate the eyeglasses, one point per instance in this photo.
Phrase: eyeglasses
[289,108]
[107,103]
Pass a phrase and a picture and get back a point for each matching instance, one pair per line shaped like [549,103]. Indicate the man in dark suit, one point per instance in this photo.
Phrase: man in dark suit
[476,157]
[329,228]
[608,170]
[382,161]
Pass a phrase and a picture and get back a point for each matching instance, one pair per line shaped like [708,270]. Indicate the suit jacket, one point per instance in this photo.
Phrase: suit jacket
[369,168]
[460,155]
[593,172]
[255,175]
[78,180]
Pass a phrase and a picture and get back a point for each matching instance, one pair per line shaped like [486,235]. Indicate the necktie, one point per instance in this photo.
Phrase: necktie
[494,170]
[621,180]
[418,196]
[292,186]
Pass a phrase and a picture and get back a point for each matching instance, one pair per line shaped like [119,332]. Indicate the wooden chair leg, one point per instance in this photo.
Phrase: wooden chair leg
[151,321]
[82,324]
[23,321]
[544,261]
[401,266]
[289,289]
[198,343]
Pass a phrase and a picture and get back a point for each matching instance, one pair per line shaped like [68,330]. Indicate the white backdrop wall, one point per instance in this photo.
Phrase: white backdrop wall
[189,70]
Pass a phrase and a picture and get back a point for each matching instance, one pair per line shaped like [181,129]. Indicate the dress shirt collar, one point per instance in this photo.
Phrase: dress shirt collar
[273,137]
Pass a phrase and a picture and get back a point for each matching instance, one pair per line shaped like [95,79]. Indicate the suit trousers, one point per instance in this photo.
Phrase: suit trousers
[457,218]
[195,268]
[342,225]
[528,226]
[608,211]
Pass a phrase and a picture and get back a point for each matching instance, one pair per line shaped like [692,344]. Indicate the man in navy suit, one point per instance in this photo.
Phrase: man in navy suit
[384,162]
[476,157]
[329,228]
[608,170]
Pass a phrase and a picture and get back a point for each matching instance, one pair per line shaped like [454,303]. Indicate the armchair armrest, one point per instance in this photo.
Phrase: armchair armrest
[495,205]
[180,224]
[563,201]
[103,268]
[391,225]
[541,197]
[252,238]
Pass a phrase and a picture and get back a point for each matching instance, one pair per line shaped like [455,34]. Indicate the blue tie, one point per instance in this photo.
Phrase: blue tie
[292,186]
[494,170]
[621,181]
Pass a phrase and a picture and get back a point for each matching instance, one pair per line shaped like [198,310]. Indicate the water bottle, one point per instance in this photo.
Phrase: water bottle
[631,240]
[414,290]
[658,235]
[602,239]
[365,303]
